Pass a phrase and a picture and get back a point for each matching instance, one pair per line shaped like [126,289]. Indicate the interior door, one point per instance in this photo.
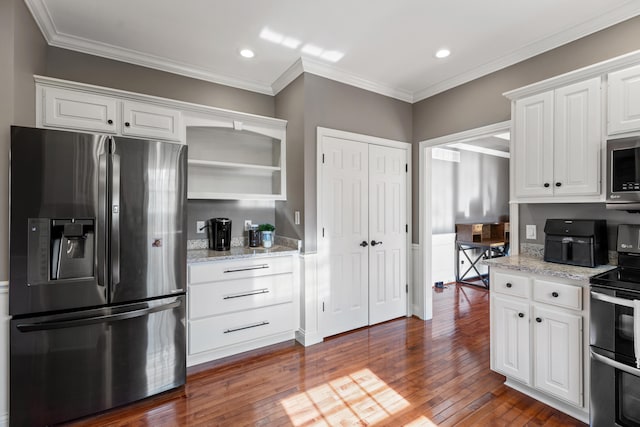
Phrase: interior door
[344,218]
[387,233]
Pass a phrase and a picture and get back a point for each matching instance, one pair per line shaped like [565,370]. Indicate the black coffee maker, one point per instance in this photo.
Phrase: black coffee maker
[219,232]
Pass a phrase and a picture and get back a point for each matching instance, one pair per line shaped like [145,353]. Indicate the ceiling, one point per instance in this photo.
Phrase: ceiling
[388,47]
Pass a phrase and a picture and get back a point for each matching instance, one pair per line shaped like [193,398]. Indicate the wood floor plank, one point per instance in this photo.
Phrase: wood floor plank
[402,372]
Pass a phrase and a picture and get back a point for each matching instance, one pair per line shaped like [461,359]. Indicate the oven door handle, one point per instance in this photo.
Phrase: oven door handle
[615,364]
[612,300]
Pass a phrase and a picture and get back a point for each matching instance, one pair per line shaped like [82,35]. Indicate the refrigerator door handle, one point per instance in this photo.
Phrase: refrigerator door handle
[102,230]
[115,220]
[45,326]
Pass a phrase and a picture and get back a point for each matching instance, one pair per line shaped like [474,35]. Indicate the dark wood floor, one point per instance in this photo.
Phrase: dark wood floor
[403,372]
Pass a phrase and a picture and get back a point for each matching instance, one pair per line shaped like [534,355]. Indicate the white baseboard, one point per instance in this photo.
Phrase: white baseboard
[577,413]
[308,339]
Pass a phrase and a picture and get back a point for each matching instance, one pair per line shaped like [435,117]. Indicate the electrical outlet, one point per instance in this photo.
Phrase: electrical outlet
[247,224]
[296,217]
[531,231]
[199,227]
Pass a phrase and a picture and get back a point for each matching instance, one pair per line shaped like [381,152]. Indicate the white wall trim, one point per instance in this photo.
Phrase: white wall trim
[482,150]
[425,195]
[309,331]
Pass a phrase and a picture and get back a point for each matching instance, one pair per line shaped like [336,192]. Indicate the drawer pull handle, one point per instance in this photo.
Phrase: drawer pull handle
[255,267]
[247,294]
[554,294]
[538,319]
[508,285]
[242,328]
[520,314]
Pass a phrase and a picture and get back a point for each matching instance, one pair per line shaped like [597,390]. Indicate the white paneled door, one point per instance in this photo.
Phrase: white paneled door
[363,247]
[345,223]
[387,233]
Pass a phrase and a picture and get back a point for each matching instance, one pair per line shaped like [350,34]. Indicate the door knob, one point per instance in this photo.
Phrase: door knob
[558,184]
[539,320]
[374,243]
[364,244]
[546,185]
[520,314]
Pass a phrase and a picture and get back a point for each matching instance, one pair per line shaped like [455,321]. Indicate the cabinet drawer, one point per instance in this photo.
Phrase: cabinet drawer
[228,329]
[238,269]
[558,294]
[510,284]
[208,299]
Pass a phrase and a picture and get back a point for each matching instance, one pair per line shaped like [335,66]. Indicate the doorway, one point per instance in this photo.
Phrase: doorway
[479,141]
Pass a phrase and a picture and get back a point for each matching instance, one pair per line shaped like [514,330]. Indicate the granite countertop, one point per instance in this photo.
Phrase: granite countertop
[535,265]
[237,252]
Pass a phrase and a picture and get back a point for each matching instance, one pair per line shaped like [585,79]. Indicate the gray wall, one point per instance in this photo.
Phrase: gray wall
[80,67]
[480,102]
[538,213]
[476,190]
[22,53]
[289,105]
[330,104]
[258,211]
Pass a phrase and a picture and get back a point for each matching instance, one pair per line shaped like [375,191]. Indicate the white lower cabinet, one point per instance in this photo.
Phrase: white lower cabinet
[239,305]
[538,340]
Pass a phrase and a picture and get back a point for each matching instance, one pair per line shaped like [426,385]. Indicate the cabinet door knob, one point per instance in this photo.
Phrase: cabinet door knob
[127,124]
[110,121]
[364,244]
[554,294]
[539,320]
[546,185]
[508,285]
[520,314]
[373,243]
[558,184]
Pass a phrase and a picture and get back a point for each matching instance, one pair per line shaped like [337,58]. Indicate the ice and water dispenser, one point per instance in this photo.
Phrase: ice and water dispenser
[61,248]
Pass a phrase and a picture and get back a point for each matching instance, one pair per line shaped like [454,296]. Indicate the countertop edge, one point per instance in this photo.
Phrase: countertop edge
[195,256]
[533,265]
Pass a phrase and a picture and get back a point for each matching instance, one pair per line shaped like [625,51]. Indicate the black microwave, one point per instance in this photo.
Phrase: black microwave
[623,174]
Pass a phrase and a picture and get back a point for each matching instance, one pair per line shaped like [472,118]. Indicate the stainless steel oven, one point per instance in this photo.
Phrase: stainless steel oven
[615,377]
[615,337]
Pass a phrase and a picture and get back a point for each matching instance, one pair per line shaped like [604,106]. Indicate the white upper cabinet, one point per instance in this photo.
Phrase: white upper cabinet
[624,101]
[557,143]
[150,121]
[69,109]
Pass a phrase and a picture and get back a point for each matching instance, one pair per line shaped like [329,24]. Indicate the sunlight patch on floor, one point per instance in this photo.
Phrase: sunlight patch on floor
[360,398]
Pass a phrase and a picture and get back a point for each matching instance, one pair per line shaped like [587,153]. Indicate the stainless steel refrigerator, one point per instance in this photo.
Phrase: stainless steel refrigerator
[97,272]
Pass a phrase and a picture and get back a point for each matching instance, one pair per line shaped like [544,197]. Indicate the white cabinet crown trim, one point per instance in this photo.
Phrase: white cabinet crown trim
[172,103]
[595,70]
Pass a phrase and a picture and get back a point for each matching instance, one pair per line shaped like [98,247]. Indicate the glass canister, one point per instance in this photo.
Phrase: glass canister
[254,237]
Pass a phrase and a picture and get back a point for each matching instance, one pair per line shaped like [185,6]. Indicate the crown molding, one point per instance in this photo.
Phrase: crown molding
[55,38]
[79,44]
[323,70]
[288,76]
[628,11]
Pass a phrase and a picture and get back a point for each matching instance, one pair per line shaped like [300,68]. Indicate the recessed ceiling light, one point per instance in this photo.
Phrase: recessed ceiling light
[247,53]
[443,53]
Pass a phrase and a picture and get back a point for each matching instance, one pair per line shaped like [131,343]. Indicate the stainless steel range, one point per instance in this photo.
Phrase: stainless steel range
[615,337]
